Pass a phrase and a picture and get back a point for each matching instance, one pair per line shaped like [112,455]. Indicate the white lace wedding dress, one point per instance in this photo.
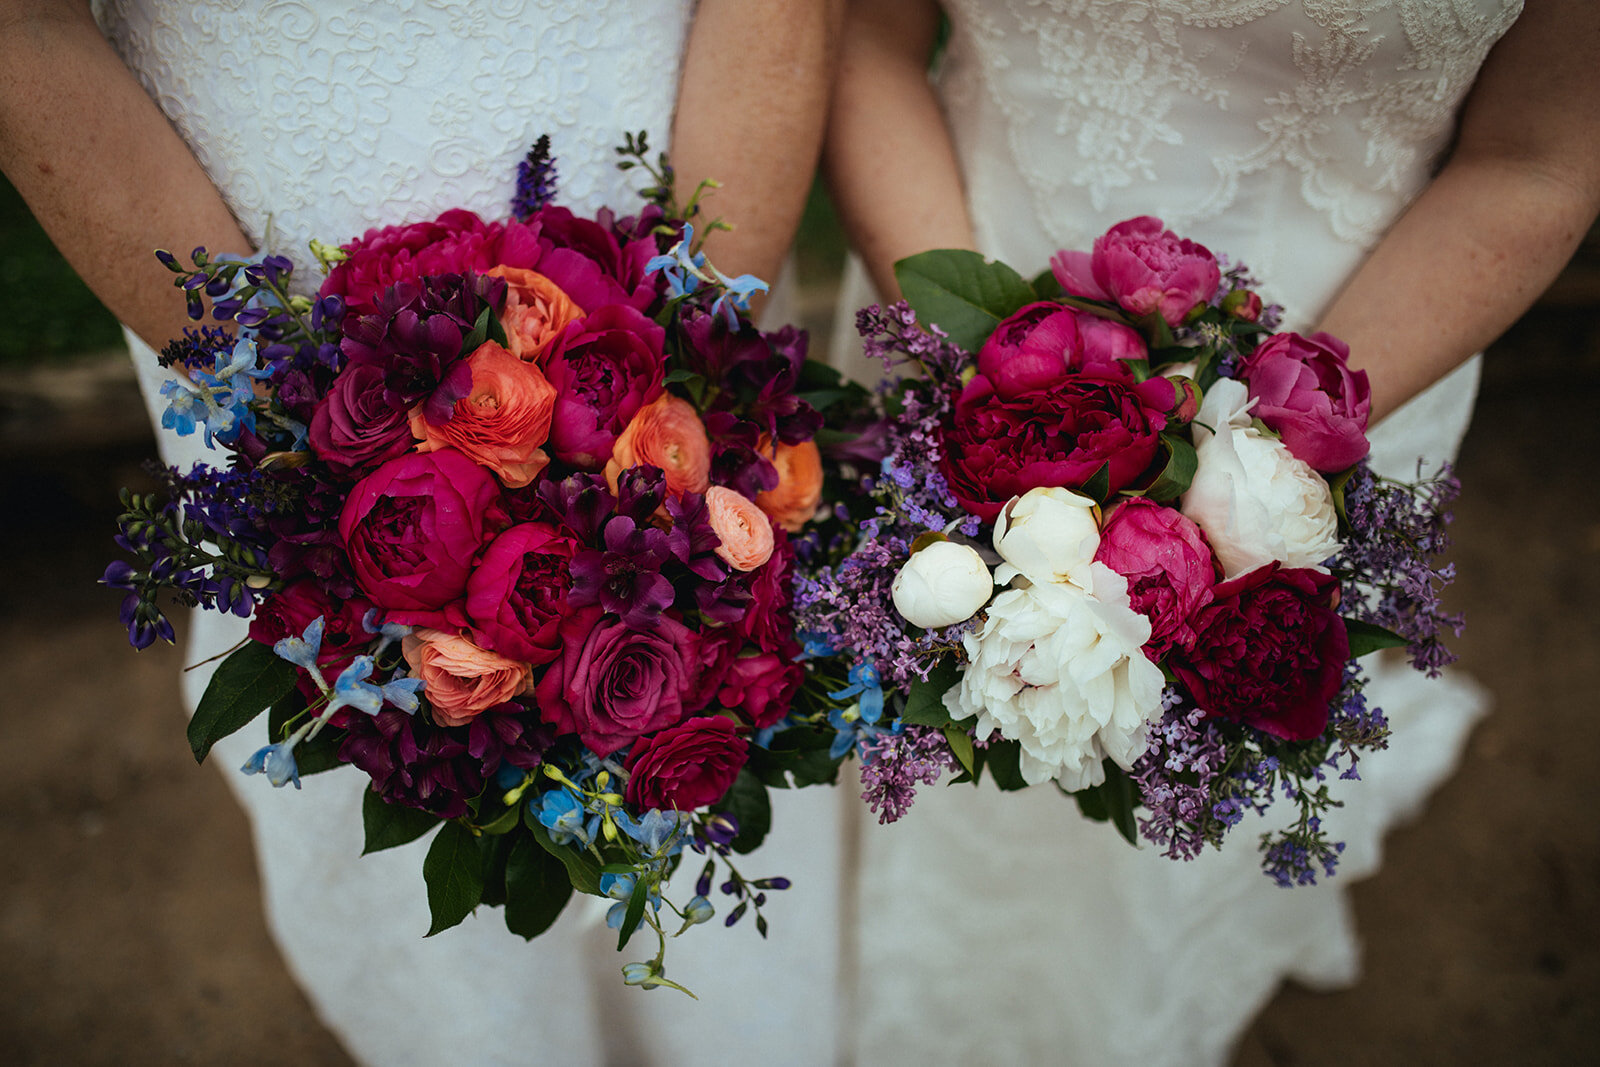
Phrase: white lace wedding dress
[1288,134]
[321,118]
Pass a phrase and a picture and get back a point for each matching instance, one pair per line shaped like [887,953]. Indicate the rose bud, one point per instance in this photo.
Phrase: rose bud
[1047,535]
[941,585]
[1242,304]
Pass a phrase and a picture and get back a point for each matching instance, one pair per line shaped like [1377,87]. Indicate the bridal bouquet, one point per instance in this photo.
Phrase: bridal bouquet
[1124,541]
[509,507]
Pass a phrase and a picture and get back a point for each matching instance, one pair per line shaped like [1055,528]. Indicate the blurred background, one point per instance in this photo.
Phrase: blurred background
[130,924]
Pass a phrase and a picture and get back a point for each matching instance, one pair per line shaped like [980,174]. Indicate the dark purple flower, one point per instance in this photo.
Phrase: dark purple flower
[625,579]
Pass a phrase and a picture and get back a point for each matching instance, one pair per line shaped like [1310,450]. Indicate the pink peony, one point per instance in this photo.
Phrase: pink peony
[517,593]
[1306,393]
[605,368]
[1037,346]
[1168,565]
[1143,267]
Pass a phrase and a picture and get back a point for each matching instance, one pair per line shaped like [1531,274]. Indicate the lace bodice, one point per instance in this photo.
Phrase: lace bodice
[1227,118]
[320,118]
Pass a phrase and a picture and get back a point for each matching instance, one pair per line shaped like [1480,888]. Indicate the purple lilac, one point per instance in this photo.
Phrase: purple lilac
[893,335]
[1175,777]
[1389,579]
[894,764]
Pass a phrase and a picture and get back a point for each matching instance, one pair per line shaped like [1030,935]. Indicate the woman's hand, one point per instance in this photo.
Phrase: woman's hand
[100,167]
[1502,218]
[889,159]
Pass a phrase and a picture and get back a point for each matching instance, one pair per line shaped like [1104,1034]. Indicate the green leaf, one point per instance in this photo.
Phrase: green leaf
[961,292]
[1046,287]
[1098,487]
[925,701]
[633,916]
[1005,765]
[1176,476]
[1336,485]
[747,802]
[537,888]
[1121,798]
[453,870]
[679,374]
[583,873]
[961,745]
[1368,637]
[246,684]
[392,825]
[502,823]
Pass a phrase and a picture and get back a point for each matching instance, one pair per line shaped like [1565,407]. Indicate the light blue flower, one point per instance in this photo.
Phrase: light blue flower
[736,294]
[352,689]
[655,830]
[863,679]
[302,651]
[402,693]
[699,910]
[561,813]
[684,270]
[390,631]
[276,762]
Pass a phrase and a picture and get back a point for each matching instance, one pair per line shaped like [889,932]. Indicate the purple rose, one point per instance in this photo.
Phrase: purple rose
[686,767]
[996,448]
[612,684]
[1142,266]
[413,528]
[604,368]
[1168,565]
[1307,394]
[518,592]
[1269,651]
[1040,344]
[355,428]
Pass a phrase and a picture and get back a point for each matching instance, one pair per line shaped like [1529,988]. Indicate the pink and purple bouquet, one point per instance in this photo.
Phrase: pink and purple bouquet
[1124,540]
[509,508]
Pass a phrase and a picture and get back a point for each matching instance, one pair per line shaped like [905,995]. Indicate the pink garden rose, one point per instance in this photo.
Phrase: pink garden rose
[998,447]
[612,684]
[687,766]
[1307,394]
[1037,346]
[1143,267]
[1168,565]
[517,593]
[413,528]
[1269,651]
[761,686]
[354,428]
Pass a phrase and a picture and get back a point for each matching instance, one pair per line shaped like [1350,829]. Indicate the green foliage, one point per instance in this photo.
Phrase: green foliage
[536,888]
[583,872]
[391,825]
[246,684]
[313,755]
[453,870]
[925,700]
[961,292]
[1113,800]
[1178,471]
[1368,637]
[51,313]
[748,803]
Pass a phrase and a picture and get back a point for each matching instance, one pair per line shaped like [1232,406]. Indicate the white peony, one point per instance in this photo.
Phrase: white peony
[942,584]
[1047,535]
[1255,501]
[1059,669]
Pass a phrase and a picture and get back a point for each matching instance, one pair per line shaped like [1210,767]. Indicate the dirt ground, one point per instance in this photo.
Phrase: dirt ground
[131,932]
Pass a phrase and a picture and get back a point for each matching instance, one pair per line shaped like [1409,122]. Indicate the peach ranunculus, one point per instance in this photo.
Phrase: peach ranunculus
[799,489]
[536,311]
[501,423]
[461,679]
[665,433]
[743,529]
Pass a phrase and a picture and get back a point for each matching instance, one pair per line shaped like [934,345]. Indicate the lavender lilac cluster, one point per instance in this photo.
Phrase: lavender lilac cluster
[894,764]
[1389,577]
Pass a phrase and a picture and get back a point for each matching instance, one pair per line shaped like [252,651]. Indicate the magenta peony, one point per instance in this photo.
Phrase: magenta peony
[1143,267]
[1168,565]
[1306,393]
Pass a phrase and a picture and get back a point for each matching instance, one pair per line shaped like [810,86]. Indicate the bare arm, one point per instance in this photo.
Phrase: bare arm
[99,165]
[889,159]
[752,101]
[1500,221]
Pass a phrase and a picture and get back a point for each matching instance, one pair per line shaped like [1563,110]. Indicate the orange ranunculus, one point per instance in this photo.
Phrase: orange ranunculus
[665,433]
[536,311]
[501,423]
[744,529]
[799,490]
[462,680]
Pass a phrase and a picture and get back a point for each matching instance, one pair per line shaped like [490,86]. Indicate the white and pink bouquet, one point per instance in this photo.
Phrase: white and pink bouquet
[1124,541]
[508,505]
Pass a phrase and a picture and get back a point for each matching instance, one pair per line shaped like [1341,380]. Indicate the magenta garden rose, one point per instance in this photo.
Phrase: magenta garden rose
[1169,567]
[611,683]
[354,427]
[1057,434]
[1306,393]
[1269,651]
[517,593]
[1143,267]
[686,766]
[413,528]
[604,369]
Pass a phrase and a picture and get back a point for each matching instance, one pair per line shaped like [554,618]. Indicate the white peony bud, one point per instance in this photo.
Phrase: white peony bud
[942,584]
[1255,501]
[1048,536]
